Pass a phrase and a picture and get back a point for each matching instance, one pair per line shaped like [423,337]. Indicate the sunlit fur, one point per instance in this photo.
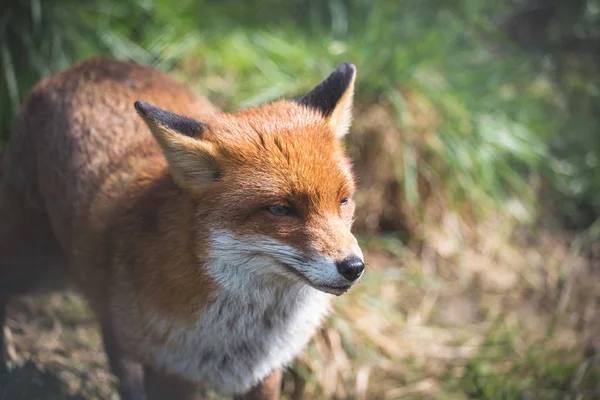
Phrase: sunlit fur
[169,237]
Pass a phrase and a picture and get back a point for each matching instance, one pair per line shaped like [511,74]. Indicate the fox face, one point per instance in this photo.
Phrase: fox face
[272,185]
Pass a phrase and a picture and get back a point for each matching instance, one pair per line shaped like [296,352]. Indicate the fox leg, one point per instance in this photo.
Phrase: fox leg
[31,258]
[128,373]
[160,386]
[268,389]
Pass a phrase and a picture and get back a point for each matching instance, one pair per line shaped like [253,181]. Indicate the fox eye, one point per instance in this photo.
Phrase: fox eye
[279,211]
[344,201]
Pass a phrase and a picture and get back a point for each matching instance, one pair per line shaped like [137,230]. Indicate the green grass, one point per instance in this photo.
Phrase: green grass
[479,120]
[498,372]
[480,134]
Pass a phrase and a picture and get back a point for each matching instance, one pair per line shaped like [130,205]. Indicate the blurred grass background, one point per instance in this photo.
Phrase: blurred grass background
[476,144]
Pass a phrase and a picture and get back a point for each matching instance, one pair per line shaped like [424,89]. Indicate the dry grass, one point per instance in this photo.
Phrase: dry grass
[467,315]
[422,326]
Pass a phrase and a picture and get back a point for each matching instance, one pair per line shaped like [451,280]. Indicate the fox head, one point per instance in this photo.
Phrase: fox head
[272,186]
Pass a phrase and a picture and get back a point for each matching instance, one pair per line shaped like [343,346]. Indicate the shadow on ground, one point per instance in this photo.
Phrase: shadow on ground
[28,382]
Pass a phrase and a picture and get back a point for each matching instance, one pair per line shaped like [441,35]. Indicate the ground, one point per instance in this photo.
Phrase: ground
[453,319]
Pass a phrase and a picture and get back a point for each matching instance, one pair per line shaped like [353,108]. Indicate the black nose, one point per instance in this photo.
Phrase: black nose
[351,268]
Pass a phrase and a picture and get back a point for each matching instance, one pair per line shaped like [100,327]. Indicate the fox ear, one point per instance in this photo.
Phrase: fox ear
[333,98]
[192,161]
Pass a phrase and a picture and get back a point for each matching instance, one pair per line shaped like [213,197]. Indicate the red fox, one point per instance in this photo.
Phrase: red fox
[207,244]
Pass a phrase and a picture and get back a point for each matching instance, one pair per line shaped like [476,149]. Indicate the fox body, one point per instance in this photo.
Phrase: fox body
[208,244]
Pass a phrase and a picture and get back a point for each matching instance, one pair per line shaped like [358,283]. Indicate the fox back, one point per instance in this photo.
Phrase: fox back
[207,243]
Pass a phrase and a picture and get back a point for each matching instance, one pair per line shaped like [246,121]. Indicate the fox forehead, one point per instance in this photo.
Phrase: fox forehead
[283,150]
[281,123]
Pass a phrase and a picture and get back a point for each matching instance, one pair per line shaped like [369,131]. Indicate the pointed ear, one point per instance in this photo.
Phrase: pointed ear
[192,161]
[333,98]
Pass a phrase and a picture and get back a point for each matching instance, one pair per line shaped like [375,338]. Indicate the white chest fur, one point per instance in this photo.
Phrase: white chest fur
[241,338]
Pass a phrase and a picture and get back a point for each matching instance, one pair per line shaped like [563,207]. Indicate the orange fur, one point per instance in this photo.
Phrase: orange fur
[126,213]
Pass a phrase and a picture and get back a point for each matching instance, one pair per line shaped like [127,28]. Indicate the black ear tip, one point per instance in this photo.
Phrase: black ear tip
[142,107]
[347,68]
[328,93]
[178,123]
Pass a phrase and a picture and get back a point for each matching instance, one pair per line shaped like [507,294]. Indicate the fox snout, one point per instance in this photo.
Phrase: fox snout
[351,268]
